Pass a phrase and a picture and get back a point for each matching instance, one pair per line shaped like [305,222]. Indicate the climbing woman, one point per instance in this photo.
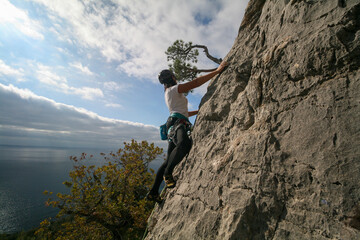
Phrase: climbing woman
[177,125]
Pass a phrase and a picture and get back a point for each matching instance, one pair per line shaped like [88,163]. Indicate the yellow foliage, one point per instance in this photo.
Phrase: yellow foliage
[107,201]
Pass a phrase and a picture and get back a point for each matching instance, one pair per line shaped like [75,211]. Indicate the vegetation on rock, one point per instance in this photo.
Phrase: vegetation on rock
[182,57]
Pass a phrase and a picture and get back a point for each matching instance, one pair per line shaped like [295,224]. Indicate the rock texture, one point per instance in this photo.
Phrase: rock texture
[276,151]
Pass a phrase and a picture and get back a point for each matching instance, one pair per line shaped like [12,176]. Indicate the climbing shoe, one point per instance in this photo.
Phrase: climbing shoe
[169,181]
[154,197]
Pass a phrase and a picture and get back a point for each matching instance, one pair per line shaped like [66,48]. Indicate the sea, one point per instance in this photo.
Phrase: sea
[26,172]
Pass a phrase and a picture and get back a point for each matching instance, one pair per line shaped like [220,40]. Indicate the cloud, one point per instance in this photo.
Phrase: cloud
[9,14]
[136,33]
[87,92]
[29,119]
[83,69]
[113,86]
[46,75]
[9,71]
[113,105]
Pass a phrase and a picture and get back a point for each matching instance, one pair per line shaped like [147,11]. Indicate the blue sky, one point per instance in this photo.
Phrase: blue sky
[84,73]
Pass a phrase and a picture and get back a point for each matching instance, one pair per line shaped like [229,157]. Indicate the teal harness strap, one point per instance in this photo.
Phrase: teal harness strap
[179,115]
[164,132]
[181,121]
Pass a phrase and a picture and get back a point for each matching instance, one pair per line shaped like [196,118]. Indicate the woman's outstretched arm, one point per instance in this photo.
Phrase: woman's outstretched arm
[197,82]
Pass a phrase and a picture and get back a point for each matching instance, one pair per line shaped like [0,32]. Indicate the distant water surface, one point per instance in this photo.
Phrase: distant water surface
[25,172]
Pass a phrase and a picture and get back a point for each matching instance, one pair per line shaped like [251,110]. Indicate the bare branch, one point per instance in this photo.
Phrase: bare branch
[206,51]
[200,70]
[206,70]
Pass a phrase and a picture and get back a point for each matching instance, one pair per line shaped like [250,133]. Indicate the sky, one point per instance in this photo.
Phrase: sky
[84,73]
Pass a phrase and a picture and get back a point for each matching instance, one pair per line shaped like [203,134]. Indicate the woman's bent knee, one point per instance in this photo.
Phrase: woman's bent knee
[185,146]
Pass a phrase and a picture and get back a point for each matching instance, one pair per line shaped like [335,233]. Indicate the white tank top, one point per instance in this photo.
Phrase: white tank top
[175,101]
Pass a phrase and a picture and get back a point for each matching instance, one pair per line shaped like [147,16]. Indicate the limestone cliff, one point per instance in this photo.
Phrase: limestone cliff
[276,151]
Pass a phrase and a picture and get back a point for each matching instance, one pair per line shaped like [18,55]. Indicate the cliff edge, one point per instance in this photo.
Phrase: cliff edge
[276,151]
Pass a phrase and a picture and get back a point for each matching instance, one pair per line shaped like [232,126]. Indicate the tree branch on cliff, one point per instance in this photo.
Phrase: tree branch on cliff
[182,57]
[208,55]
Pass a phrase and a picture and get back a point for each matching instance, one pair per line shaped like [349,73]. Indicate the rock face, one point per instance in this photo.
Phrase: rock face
[276,151]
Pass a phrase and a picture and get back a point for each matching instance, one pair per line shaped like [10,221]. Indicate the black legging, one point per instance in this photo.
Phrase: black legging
[174,155]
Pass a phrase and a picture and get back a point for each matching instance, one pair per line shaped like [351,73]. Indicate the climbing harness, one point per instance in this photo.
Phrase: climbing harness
[180,123]
[174,122]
